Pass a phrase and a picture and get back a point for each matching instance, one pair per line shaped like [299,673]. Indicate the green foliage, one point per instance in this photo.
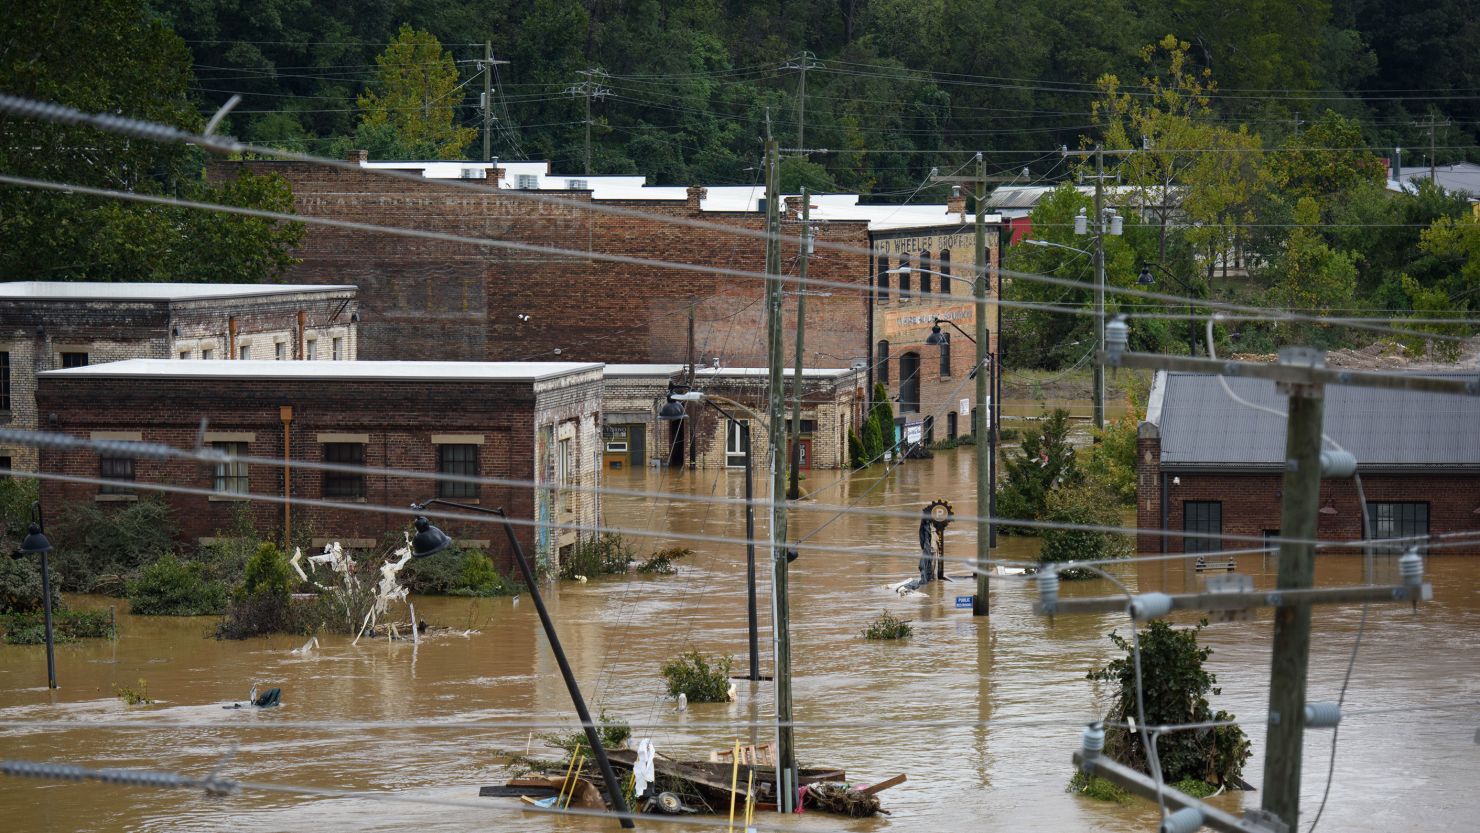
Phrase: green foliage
[1088,504]
[134,696]
[1044,459]
[413,95]
[170,587]
[480,578]
[268,574]
[1110,461]
[1100,789]
[662,561]
[20,585]
[888,626]
[99,547]
[1195,787]
[603,555]
[1176,688]
[858,455]
[16,496]
[698,678]
[66,626]
[614,734]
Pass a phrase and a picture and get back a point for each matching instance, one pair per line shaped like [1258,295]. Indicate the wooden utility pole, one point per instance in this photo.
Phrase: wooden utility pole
[689,429]
[487,66]
[794,491]
[1099,220]
[802,63]
[1431,124]
[590,88]
[786,765]
[1291,657]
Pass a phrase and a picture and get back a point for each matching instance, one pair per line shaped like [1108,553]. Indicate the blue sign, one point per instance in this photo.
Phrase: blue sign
[965,601]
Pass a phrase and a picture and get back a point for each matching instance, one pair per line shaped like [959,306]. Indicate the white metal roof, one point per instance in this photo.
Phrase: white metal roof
[644,369]
[74,290]
[335,371]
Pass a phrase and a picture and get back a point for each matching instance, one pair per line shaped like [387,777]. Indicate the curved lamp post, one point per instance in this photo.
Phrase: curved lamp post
[429,539]
[36,542]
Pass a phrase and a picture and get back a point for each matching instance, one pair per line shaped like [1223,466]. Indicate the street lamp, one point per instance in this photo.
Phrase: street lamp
[673,411]
[986,444]
[429,539]
[36,542]
[1147,279]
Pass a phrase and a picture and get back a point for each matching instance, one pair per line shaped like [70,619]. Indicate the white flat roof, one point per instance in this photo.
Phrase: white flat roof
[644,369]
[98,291]
[334,371]
[745,372]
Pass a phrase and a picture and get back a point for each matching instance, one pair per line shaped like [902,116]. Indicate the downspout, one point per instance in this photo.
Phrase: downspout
[285,413]
[1164,541]
[302,336]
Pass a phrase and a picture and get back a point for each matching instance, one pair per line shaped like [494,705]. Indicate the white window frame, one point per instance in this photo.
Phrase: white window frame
[735,443]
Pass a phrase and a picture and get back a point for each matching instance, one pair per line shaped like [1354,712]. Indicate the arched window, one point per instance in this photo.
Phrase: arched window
[945,354]
[909,382]
[925,276]
[882,360]
[904,278]
[945,269]
[883,285]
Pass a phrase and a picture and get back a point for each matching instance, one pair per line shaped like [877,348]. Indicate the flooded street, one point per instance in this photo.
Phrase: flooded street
[1008,695]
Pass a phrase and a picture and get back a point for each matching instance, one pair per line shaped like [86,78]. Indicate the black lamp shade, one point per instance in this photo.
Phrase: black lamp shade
[671,411]
[35,541]
[935,338]
[1145,278]
[429,539]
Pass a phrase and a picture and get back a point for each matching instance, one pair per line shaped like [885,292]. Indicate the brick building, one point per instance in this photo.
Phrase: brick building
[535,421]
[1207,464]
[494,304]
[47,325]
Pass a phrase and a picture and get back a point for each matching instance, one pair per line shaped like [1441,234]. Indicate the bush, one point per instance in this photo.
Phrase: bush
[101,547]
[16,496]
[225,558]
[858,454]
[1176,688]
[478,577]
[268,573]
[20,585]
[613,734]
[66,626]
[604,555]
[692,675]
[435,575]
[661,562]
[1088,504]
[1100,789]
[170,587]
[883,415]
[134,696]
[260,614]
[1044,460]
[888,627]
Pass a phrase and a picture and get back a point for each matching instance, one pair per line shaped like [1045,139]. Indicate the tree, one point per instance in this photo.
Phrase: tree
[414,93]
[1175,689]
[1088,503]
[1310,275]
[1030,473]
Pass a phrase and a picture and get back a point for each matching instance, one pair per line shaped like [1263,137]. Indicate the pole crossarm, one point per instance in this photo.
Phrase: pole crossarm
[1295,374]
[1245,600]
[1141,784]
[976,179]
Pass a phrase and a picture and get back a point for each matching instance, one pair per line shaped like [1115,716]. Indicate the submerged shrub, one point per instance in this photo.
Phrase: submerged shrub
[170,587]
[692,675]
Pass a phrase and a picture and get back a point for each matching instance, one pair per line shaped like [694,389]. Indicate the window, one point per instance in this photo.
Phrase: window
[904,278]
[74,360]
[945,269]
[311,350]
[280,350]
[5,382]
[565,464]
[883,361]
[909,383]
[5,465]
[883,295]
[350,484]
[929,430]
[116,468]
[460,460]
[184,355]
[945,355]
[1398,520]
[735,443]
[334,348]
[951,425]
[577,185]
[244,352]
[527,181]
[1204,516]
[924,275]
[231,476]
[207,353]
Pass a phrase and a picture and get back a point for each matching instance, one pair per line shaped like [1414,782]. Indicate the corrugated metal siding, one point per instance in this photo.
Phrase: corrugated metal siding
[1202,427]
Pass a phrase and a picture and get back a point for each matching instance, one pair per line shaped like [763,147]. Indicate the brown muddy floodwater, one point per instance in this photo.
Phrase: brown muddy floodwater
[1016,681]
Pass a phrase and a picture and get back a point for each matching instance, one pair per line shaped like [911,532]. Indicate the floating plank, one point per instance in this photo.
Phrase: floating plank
[884,785]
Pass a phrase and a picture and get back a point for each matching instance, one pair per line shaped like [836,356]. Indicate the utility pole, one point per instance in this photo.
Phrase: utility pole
[589,88]
[1291,658]
[786,765]
[486,66]
[1431,124]
[693,434]
[986,372]
[794,491]
[802,62]
[1099,408]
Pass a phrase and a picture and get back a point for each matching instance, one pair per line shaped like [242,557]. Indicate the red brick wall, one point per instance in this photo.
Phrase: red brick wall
[398,417]
[423,299]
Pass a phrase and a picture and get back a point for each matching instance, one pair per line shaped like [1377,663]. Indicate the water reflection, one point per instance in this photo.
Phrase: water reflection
[1015,682]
